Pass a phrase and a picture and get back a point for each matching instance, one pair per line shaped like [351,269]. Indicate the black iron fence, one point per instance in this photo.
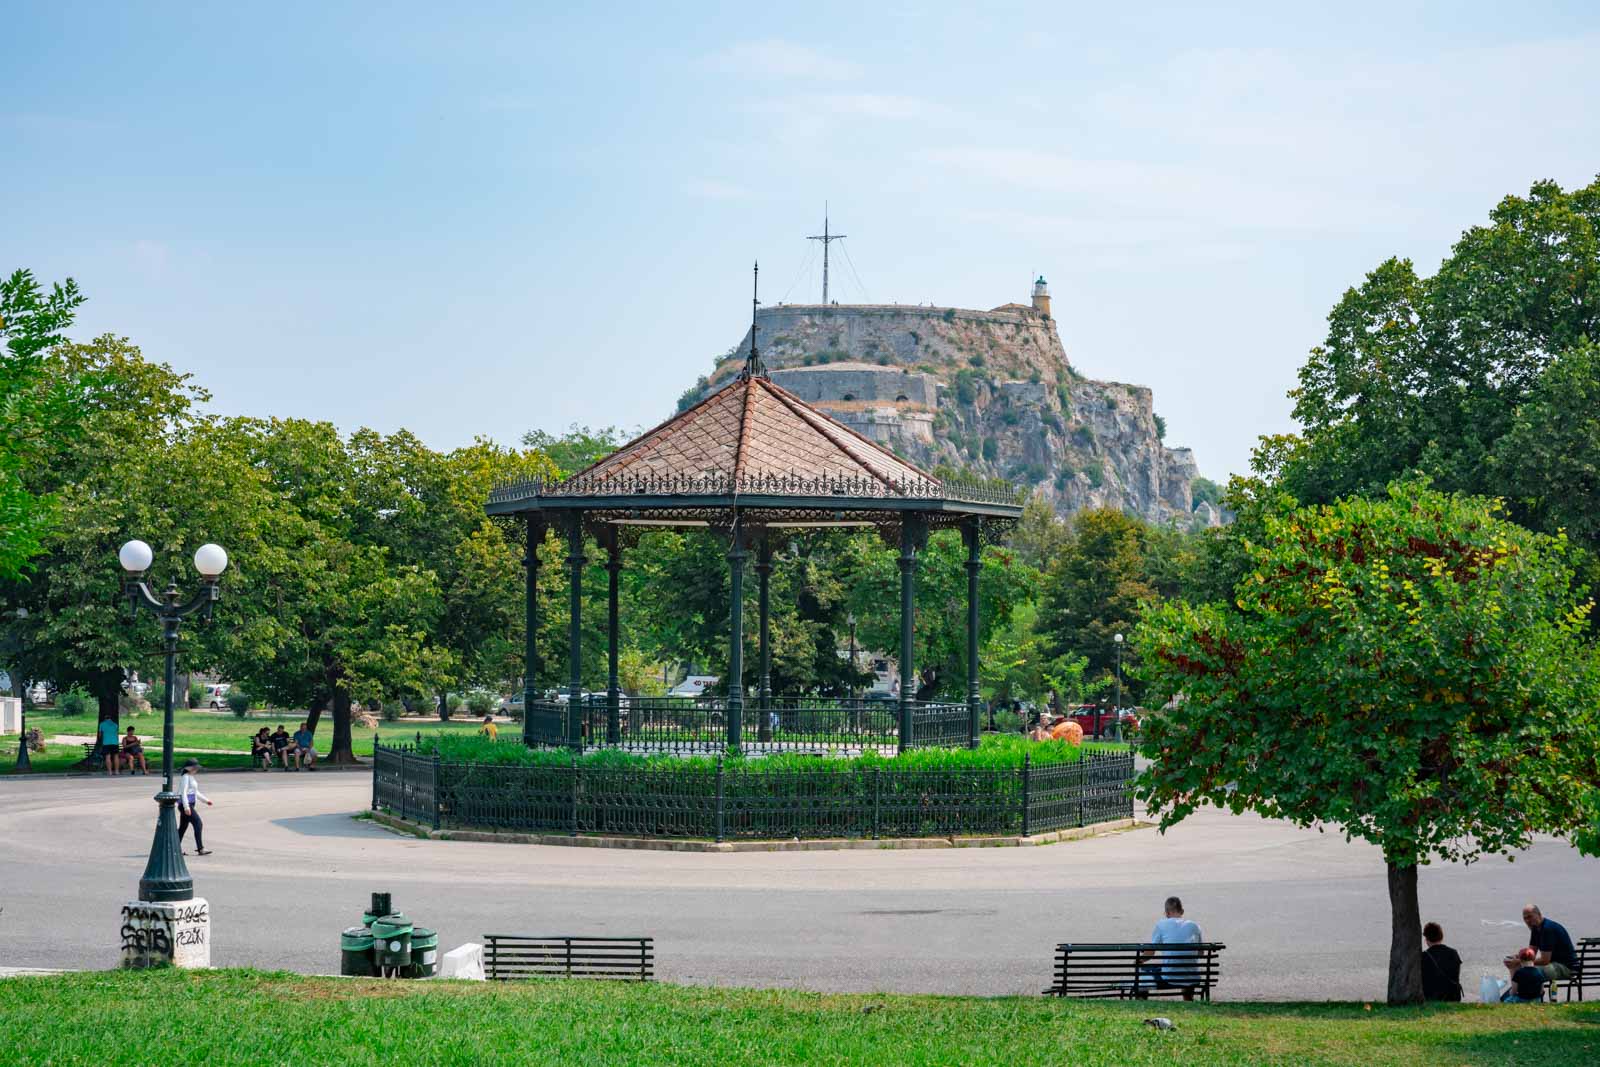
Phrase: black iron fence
[732,801]
[700,724]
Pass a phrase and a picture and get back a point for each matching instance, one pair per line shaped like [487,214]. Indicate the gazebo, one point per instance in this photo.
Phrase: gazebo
[750,463]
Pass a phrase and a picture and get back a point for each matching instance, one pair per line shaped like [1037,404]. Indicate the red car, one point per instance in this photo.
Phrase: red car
[1101,722]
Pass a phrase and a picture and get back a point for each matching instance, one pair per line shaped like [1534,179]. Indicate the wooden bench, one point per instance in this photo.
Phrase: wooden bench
[508,956]
[1115,970]
[1586,975]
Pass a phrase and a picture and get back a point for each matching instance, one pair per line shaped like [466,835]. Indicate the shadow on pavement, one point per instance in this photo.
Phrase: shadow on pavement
[339,825]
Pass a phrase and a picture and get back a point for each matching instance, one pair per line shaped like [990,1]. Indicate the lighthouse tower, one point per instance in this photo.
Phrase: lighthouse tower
[1041,297]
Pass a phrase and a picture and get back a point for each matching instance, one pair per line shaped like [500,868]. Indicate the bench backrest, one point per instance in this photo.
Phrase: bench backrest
[507,956]
[1587,972]
[1103,966]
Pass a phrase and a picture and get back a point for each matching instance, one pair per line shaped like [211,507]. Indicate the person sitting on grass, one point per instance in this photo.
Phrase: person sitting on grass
[305,754]
[1527,980]
[488,729]
[110,746]
[1441,966]
[281,744]
[133,752]
[1041,730]
[261,750]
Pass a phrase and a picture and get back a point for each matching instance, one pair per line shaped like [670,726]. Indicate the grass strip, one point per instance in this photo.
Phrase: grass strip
[221,1018]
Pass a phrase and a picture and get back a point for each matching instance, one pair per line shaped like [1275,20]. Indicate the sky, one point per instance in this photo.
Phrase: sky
[475,220]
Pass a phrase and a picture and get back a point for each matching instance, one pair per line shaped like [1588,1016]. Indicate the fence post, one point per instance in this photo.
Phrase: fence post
[1027,762]
[1083,783]
[403,759]
[572,830]
[436,789]
[1127,786]
[720,815]
[877,798]
[375,759]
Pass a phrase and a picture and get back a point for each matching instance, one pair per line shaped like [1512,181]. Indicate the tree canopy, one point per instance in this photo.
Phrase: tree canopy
[1410,669]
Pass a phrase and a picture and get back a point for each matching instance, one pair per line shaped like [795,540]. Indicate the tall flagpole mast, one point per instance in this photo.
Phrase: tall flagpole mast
[827,239]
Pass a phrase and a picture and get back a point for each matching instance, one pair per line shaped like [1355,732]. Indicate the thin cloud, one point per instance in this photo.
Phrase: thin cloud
[784,59]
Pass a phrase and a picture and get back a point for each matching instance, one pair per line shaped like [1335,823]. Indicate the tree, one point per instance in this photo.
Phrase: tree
[1429,374]
[1410,670]
[1004,584]
[577,449]
[1094,589]
[1040,535]
[30,322]
[133,465]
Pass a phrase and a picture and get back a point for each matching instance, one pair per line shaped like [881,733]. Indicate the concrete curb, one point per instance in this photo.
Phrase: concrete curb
[654,844]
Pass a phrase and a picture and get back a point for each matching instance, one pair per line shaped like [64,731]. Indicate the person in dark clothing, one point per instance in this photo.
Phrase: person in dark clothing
[1555,955]
[1527,981]
[1441,966]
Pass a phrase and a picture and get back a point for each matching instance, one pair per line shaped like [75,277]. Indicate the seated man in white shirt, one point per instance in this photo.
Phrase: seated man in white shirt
[1176,970]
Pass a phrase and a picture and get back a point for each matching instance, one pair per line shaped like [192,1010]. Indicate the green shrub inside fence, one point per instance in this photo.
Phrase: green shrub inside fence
[990,790]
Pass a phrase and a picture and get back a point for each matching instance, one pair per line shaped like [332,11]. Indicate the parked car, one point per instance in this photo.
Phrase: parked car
[217,695]
[513,704]
[1103,722]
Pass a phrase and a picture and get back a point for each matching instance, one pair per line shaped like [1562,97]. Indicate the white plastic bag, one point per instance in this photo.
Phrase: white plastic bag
[1490,988]
[463,962]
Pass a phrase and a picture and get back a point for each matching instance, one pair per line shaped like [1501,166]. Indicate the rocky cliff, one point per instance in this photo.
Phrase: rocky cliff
[991,392]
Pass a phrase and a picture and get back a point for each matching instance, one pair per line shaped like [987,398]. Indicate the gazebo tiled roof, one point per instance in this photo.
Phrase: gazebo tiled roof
[752,433]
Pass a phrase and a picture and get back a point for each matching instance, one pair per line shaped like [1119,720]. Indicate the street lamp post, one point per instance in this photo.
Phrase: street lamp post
[166,877]
[24,762]
[1117,714]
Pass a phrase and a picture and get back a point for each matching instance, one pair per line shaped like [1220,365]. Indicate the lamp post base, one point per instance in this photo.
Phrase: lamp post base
[166,934]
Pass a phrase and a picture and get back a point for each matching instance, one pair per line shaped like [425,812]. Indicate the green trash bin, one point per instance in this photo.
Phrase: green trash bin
[424,953]
[368,918]
[391,936]
[355,952]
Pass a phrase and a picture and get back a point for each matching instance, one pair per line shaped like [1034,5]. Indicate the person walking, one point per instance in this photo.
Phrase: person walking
[189,796]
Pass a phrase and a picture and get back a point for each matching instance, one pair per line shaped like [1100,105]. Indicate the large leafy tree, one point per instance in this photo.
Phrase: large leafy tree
[1410,669]
[1004,584]
[31,321]
[1093,591]
[134,466]
[1432,374]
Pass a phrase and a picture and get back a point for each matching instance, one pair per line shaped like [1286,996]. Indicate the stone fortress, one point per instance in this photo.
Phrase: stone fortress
[987,392]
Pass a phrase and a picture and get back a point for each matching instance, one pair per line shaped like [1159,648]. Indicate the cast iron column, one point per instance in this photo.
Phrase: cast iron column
[575,562]
[530,611]
[910,531]
[614,687]
[736,557]
[764,694]
[973,534]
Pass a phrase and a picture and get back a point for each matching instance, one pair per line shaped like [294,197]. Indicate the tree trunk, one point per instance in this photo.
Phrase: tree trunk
[107,689]
[1405,938]
[314,712]
[444,707]
[180,690]
[340,751]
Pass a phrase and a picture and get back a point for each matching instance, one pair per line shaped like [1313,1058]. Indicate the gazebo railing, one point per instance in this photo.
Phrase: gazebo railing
[700,724]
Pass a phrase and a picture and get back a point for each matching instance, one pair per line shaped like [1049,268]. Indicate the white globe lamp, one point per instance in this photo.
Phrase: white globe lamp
[210,560]
[135,557]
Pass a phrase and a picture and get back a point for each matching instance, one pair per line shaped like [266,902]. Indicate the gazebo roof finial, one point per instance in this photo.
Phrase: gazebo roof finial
[752,364]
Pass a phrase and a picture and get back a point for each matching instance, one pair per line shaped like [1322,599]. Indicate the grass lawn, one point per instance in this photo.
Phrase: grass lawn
[195,730]
[246,1017]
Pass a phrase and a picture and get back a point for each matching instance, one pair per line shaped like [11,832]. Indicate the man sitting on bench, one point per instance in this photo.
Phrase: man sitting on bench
[1175,971]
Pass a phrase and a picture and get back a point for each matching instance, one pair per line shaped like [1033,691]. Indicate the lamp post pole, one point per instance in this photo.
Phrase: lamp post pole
[166,877]
[1116,715]
[24,763]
